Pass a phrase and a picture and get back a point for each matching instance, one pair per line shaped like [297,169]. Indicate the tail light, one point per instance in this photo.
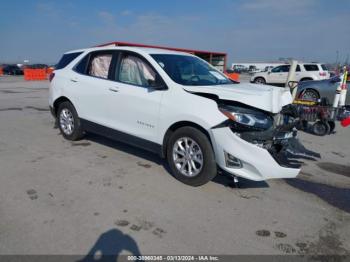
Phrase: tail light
[323,74]
[51,76]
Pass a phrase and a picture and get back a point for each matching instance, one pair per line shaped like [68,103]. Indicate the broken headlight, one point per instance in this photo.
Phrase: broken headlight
[246,118]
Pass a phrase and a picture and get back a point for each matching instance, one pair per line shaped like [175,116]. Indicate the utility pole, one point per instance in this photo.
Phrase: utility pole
[291,77]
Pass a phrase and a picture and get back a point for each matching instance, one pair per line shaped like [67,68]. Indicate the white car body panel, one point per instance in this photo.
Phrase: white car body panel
[267,98]
[263,167]
[148,114]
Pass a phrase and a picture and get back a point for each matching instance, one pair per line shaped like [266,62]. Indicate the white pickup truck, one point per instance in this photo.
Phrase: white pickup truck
[304,72]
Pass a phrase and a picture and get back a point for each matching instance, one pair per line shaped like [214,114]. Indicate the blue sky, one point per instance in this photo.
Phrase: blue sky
[251,30]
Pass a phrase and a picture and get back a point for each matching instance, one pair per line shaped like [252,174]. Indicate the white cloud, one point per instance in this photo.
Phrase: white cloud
[126,13]
[48,9]
[282,7]
[106,17]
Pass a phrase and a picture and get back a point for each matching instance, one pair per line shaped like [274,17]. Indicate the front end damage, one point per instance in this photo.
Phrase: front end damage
[256,144]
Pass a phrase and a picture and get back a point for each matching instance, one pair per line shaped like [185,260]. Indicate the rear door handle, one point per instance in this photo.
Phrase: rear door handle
[114,89]
[74,80]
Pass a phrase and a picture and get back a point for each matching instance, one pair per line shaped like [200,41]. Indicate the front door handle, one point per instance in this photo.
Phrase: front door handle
[74,80]
[114,89]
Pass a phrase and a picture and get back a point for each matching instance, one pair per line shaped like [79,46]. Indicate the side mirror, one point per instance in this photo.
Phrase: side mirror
[157,84]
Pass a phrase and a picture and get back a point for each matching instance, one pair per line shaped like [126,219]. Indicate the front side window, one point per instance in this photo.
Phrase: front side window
[190,70]
[281,69]
[135,71]
[99,65]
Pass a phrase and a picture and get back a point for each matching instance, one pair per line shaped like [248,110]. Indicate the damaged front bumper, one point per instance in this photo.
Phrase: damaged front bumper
[262,159]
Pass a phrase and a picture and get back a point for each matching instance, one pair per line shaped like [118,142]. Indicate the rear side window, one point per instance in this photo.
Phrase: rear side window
[324,67]
[99,64]
[311,67]
[66,59]
[82,65]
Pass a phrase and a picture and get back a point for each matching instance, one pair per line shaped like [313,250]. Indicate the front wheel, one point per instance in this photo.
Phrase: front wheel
[321,128]
[190,156]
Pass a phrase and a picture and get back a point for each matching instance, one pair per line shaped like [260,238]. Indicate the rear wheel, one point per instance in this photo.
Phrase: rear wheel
[310,95]
[321,128]
[332,126]
[69,122]
[191,157]
[260,80]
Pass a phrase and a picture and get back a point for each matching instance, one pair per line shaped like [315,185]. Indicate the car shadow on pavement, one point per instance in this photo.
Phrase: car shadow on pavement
[222,178]
[129,149]
[226,180]
[109,246]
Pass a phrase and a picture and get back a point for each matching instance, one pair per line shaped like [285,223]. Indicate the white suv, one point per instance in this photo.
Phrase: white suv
[279,74]
[174,104]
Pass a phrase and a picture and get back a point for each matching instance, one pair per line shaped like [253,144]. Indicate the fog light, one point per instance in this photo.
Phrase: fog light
[231,161]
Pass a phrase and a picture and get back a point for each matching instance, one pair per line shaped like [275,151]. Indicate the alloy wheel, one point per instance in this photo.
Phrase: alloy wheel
[66,121]
[187,157]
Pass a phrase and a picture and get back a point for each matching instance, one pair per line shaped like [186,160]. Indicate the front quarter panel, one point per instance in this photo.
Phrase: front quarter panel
[179,105]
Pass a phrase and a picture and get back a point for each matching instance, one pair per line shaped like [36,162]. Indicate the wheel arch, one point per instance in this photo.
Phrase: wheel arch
[262,77]
[58,101]
[306,79]
[176,126]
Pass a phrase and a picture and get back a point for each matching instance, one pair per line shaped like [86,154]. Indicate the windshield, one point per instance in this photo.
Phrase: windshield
[190,70]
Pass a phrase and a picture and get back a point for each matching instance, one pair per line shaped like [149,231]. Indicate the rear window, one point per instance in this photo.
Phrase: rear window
[311,67]
[66,59]
[324,67]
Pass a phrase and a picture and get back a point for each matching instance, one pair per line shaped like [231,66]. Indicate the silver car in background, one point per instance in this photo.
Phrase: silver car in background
[315,90]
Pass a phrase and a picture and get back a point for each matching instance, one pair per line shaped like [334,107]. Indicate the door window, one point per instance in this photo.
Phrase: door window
[66,59]
[311,67]
[135,71]
[281,69]
[99,65]
[82,65]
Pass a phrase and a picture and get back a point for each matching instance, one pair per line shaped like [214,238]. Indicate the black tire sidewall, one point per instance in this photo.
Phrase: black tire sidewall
[78,131]
[263,81]
[209,169]
[310,91]
[324,125]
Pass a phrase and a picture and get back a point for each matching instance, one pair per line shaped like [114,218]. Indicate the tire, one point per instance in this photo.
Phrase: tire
[260,80]
[321,128]
[310,95]
[198,152]
[332,126]
[69,122]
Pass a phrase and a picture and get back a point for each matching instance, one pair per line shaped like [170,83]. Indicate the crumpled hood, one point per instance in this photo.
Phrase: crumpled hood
[264,97]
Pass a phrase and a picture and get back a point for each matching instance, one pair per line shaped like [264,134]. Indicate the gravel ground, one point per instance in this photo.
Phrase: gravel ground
[61,197]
